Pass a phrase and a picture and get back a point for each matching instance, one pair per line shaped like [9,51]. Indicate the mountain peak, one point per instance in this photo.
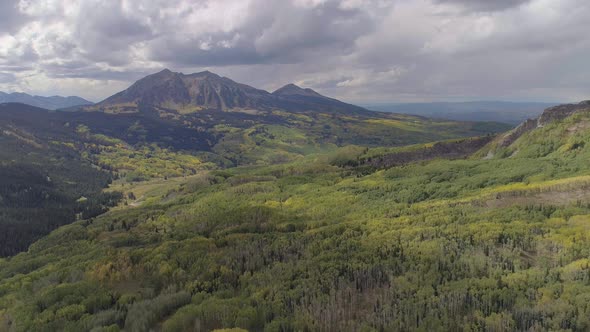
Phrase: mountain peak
[292,89]
[291,86]
[188,92]
[167,73]
[163,73]
[205,90]
[205,73]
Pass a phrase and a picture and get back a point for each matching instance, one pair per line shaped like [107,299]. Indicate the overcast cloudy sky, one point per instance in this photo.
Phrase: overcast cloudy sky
[363,51]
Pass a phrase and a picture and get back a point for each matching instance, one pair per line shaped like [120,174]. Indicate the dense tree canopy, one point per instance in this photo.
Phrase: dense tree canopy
[325,242]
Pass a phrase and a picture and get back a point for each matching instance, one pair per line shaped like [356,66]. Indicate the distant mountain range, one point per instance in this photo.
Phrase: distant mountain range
[233,123]
[50,103]
[180,93]
[190,93]
[506,112]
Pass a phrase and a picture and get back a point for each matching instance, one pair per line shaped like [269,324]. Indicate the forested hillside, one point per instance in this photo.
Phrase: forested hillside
[327,241]
[44,184]
[55,165]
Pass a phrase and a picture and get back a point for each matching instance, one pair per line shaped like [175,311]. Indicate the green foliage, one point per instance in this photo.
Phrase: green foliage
[144,314]
[142,162]
[317,243]
[564,139]
[41,190]
[440,245]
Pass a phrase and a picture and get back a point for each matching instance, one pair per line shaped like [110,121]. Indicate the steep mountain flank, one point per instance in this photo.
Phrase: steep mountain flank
[561,112]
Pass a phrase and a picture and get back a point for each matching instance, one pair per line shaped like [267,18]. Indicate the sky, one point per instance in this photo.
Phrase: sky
[362,51]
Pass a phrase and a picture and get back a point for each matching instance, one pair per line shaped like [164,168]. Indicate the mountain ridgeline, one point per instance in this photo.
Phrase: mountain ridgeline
[50,103]
[209,91]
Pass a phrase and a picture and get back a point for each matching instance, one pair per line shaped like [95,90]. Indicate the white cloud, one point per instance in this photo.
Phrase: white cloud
[360,50]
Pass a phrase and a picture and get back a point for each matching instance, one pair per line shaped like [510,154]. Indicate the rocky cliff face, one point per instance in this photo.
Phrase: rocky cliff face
[561,112]
[514,134]
[445,150]
[548,116]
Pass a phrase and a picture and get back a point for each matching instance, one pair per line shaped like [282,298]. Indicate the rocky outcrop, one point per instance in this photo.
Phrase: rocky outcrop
[445,150]
[515,133]
[550,115]
[561,112]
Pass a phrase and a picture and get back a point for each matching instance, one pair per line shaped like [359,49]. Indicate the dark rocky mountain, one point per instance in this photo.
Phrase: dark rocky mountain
[297,98]
[209,91]
[51,103]
[294,90]
[199,91]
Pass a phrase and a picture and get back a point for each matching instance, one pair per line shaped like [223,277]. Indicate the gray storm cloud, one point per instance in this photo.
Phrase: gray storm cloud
[358,50]
[486,5]
[10,16]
